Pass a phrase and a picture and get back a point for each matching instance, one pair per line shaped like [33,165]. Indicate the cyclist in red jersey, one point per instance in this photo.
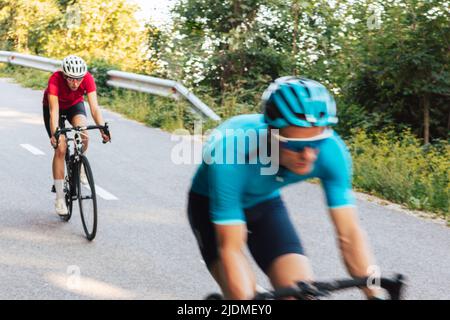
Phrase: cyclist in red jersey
[65,96]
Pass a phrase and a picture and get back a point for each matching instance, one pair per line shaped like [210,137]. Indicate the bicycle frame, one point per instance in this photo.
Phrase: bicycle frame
[78,144]
[74,158]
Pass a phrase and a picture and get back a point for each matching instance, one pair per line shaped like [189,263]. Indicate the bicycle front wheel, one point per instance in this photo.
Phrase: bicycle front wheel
[87,200]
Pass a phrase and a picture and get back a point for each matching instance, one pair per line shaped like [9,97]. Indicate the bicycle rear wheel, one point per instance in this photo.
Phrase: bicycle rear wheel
[87,200]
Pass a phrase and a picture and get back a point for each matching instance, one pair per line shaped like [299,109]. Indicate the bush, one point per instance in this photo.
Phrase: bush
[154,111]
[27,77]
[396,167]
[99,68]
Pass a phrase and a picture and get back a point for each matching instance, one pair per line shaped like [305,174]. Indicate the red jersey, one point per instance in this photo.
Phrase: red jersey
[57,86]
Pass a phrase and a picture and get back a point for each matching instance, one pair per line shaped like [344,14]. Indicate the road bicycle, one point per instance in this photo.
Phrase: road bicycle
[74,189]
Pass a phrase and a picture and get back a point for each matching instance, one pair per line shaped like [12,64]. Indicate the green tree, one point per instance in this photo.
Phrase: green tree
[226,41]
[101,29]
[24,24]
[404,66]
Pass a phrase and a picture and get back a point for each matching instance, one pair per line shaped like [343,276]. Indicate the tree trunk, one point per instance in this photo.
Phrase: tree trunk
[295,11]
[426,119]
[448,125]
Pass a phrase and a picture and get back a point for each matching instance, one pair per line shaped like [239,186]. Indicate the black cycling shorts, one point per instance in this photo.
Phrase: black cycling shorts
[270,231]
[79,108]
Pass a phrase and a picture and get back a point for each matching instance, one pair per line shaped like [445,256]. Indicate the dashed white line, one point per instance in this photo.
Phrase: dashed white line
[103,193]
[33,150]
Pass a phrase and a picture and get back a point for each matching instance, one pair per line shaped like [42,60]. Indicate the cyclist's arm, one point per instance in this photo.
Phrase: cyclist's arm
[352,241]
[236,272]
[95,110]
[226,186]
[54,112]
[341,202]
[97,114]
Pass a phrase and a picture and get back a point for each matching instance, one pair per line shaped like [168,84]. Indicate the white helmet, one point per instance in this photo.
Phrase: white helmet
[74,67]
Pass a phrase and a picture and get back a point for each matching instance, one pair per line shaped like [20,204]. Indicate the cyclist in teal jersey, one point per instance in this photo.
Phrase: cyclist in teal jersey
[235,195]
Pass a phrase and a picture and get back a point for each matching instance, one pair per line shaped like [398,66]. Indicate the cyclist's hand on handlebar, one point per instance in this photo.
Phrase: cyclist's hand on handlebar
[106,136]
[375,294]
[53,142]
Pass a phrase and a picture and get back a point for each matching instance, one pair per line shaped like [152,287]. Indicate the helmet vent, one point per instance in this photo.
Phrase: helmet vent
[272,111]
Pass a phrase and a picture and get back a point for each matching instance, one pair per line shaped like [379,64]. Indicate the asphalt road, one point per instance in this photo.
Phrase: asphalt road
[144,248]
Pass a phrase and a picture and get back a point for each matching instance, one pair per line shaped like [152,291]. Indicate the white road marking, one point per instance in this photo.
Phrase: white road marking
[33,150]
[103,193]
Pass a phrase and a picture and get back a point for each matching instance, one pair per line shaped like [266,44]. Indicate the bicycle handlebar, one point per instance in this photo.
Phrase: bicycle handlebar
[305,290]
[59,131]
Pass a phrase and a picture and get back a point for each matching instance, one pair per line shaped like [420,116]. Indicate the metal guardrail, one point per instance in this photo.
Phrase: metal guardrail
[119,79]
[162,87]
[25,60]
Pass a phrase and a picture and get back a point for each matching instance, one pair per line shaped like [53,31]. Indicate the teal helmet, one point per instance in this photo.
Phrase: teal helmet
[301,102]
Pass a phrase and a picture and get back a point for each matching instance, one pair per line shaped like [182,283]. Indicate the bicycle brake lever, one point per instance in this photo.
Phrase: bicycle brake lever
[56,135]
[106,131]
[395,287]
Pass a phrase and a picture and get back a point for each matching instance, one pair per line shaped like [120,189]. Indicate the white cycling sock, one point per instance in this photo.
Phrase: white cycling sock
[59,187]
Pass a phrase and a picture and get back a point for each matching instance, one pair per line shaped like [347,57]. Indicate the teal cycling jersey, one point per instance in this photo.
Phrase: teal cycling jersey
[232,177]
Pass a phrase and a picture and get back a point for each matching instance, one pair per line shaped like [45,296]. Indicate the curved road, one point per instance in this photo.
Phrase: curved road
[144,248]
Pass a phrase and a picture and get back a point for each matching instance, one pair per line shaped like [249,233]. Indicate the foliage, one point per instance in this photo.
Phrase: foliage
[94,29]
[404,65]
[25,24]
[398,168]
[387,59]
[27,77]
[99,68]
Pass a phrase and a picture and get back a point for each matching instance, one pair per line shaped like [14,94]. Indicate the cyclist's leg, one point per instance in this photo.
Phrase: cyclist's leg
[275,244]
[60,152]
[57,163]
[78,118]
[58,159]
[288,269]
